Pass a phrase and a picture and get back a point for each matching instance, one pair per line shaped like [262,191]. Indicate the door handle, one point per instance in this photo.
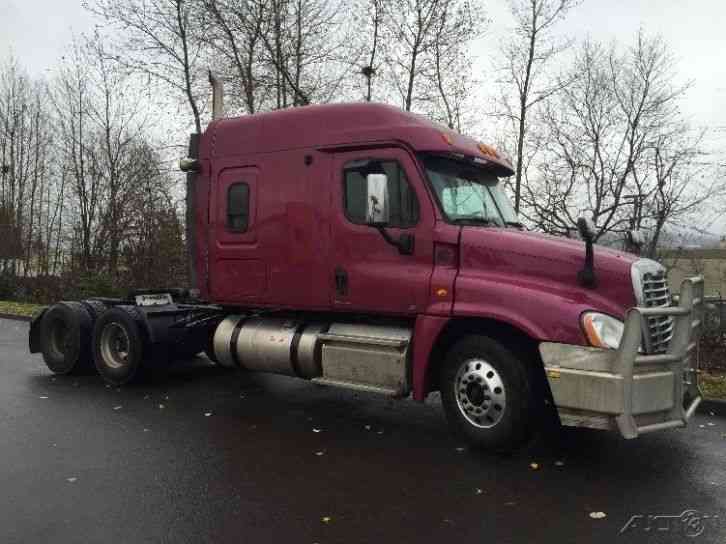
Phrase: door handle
[341,281]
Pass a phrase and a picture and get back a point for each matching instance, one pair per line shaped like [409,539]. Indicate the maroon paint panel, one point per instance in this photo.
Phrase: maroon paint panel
[281,260]
[425,333]
[381,279]
[530,281]
[333,125]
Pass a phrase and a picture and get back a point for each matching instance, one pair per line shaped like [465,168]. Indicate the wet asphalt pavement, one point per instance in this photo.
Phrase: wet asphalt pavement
[83,462]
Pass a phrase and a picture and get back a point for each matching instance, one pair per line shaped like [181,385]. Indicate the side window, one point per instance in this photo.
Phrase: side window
[402,197]
[238,207]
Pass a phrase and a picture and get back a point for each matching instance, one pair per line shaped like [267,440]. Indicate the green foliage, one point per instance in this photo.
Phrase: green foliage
[19,308]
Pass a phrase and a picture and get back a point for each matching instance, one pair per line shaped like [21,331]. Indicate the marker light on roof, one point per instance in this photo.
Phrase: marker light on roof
[488,150]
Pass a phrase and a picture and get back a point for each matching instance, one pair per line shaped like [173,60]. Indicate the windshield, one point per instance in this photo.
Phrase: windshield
[469,193]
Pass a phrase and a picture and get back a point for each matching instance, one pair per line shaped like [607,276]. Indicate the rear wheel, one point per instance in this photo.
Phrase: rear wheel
[485,390]
[65,335]
[119,346]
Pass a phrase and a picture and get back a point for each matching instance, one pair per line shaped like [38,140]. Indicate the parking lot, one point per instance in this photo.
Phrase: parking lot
[203,455]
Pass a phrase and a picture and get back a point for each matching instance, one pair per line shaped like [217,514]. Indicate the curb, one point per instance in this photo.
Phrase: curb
[15,317]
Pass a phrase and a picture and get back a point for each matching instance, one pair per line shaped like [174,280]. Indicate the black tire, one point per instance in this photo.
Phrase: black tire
[95,308]
[486,394]
[120,347]
[65,338]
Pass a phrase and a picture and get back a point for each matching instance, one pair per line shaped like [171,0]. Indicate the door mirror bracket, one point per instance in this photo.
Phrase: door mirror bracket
[405,243]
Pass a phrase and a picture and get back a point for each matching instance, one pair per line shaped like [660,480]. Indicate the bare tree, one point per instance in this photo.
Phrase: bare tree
[235,32]
[370,20]
[161,39]
[427,57]
[24,148]
[617,147]
[412,26]
[75,139]
[528,57]
[303,41]
[457,25]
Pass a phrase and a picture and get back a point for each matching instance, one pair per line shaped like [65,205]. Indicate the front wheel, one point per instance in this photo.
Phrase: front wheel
[486,394]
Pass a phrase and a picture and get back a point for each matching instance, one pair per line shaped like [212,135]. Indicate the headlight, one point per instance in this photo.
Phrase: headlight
[602,331]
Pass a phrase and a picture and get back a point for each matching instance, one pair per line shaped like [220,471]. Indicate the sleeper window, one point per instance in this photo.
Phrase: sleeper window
[238,207]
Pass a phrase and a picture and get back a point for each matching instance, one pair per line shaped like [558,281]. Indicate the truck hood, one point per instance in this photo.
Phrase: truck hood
[533,277]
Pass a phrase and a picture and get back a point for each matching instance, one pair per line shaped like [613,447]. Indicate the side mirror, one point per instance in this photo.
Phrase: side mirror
[586,228]
[377,199]
[587,232]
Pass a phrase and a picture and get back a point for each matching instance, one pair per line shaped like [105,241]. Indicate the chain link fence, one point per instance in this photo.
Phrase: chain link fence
[712,349]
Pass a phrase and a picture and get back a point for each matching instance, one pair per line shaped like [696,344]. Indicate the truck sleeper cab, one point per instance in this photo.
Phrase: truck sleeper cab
[361,246]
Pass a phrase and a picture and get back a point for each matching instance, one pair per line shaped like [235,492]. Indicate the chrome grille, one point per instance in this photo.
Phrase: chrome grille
[655,293]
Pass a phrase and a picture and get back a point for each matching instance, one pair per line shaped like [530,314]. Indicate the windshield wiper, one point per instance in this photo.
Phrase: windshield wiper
[514,224]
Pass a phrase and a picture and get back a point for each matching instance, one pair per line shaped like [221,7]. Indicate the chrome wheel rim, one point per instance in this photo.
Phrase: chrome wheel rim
[480,393]
[115,345]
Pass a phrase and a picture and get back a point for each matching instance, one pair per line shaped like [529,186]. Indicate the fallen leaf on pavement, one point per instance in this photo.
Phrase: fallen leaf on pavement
[598,515]
[534,466]
[43,397]
[326,519]
[207,414]
[316,430]
[71,480]
[117,407]
[319,453]
[559,463]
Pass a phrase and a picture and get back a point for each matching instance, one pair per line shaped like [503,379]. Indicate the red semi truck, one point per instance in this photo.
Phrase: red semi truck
[360,246]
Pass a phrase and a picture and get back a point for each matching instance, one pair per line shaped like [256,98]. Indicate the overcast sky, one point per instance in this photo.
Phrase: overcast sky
[37,31]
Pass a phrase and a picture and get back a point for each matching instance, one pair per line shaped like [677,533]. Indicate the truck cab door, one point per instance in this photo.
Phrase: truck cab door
[368,273]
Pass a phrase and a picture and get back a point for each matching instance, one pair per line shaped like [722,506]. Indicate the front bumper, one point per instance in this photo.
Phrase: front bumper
[625,389]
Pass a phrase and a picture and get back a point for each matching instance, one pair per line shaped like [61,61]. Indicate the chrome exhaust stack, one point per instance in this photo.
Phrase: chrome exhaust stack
[217,96]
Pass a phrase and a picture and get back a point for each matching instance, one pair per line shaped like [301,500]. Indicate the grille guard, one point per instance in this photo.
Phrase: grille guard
[688,318]
[629,389]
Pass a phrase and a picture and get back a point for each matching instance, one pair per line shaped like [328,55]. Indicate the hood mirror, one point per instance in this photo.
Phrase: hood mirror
[586,227]
[588,230]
